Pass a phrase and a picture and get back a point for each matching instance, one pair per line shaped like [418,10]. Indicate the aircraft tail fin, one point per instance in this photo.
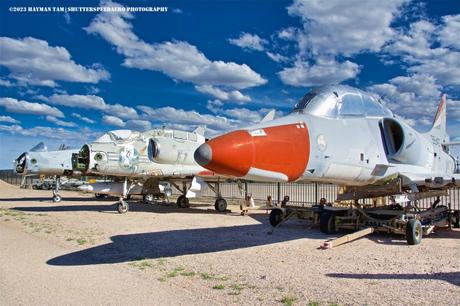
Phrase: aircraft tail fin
[200,130]
[439,123]
[40,147]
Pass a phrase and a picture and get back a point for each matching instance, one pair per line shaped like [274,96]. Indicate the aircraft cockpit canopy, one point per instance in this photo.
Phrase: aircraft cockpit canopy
[341,101]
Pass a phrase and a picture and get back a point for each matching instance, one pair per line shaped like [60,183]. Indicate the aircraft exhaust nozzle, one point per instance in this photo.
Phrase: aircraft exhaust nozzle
[274,153]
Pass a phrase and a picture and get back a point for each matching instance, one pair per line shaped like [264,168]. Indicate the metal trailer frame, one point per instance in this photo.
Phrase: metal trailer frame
[350,215]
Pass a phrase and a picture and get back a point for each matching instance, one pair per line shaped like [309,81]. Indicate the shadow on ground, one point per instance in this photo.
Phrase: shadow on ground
[173,243]
[94,205]
[450,277]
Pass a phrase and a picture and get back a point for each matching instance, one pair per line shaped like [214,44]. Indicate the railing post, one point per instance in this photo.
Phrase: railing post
[278,193]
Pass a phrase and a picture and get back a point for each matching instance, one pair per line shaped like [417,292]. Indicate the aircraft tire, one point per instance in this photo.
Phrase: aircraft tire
[220,205]
[414,232]
[456,219]
[122,207]
[182,201]
[57,198]
[327,223]
[276,216]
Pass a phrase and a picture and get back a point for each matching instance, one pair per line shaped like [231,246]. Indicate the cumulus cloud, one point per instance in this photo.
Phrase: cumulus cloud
[34,61]
[190,118]
[430,49]
[234,95]
[60,122]
[177,59]
[8,119]
[82,118]
[249,42]
[24,107]
[92,102]
[139,125]
[448,35]
[112,120]
[415,98]
[48,132]
[325,71]
[343,27]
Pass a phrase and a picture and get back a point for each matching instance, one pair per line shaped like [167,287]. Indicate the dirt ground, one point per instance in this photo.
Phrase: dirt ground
[81,251]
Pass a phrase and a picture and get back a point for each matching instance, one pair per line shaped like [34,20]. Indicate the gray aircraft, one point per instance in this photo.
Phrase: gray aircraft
[40,161]
[141,161]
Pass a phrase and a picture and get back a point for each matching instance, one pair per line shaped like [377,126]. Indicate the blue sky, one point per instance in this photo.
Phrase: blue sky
[68,77]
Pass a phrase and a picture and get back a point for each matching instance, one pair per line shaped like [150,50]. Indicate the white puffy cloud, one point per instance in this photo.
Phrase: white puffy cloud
[8,119]
[190,118]
[430,49]
[234,95]
[177,59]
[82,118]
[60,122]
[139,125]
[243,114]
[24,107]
[34,61]
[214,105]
[92,102]
[249,42]
[450,32]
[112,120]
[415,98]
[54,133]
[5,83]
[344,27]
[323,72]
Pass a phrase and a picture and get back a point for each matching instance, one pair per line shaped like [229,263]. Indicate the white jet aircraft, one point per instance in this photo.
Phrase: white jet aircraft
[40,161]
[142,160]
[342,135]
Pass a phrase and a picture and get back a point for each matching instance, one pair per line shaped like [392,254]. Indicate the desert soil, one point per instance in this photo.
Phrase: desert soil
[81,251]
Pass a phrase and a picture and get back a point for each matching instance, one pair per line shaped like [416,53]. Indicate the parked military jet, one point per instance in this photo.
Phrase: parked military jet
[40,161]
[336,134]
[143,159]
[342,135]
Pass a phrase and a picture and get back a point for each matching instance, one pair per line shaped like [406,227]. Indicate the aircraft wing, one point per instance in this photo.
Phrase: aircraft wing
[431,180]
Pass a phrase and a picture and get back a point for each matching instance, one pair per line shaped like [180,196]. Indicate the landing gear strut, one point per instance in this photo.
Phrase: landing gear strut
[56,196]
[122,206]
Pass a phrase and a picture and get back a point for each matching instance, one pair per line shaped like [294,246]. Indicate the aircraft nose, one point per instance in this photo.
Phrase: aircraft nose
[279,153]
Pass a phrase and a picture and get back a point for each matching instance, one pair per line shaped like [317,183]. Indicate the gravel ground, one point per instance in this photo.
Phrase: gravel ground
[81,251]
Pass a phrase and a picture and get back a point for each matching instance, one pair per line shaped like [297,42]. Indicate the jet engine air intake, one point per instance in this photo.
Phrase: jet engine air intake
[402,144]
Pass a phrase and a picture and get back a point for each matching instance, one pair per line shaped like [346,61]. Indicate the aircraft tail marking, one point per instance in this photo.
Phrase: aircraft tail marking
[439,123]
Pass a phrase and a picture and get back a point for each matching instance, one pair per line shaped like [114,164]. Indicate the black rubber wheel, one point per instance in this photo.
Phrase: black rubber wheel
[148,198]
[414,232]
[57,198]
[220,205]
[182,202]
[456,219]
[122,207]
[327,223]
[276,216]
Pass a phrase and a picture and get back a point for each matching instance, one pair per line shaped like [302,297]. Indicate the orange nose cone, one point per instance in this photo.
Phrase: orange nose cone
[230,154]
[281,149]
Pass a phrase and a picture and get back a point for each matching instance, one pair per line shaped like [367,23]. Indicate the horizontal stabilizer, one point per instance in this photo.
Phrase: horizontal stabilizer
[200,130]
[269,116]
